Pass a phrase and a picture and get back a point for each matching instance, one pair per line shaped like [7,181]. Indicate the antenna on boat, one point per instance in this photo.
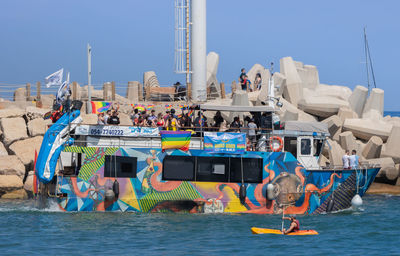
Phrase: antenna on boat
[368,61]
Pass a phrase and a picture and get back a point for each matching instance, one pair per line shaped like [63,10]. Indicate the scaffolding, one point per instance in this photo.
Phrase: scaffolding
[182,38]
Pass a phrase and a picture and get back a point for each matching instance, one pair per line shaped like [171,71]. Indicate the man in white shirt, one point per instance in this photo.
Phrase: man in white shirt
[354,160]
[345,160]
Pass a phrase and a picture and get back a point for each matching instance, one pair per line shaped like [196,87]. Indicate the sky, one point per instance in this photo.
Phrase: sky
[130,37]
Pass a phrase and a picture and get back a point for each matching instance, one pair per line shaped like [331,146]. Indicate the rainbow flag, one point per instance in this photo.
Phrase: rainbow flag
[139,107]
[168,106]
[175,140]
[190,113]
[47,115]
[183,106]
[150,107]
[100,106]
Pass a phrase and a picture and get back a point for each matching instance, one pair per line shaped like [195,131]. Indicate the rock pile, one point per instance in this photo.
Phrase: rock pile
[355,120]
[22,133]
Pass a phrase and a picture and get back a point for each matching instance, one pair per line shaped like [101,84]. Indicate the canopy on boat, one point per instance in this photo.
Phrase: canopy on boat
[237,108]
[306,126]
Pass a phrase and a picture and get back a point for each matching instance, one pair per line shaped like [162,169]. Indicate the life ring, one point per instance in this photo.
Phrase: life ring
[271,146]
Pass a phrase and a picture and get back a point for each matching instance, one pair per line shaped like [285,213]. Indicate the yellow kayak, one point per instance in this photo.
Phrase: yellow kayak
[255,230]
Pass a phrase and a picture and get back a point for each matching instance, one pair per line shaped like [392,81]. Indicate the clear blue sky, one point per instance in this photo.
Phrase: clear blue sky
[131,37]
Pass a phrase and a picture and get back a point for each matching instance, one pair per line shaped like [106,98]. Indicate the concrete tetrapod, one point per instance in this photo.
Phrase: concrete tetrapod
[392,147]
[373,148]
[293,91]
[358,98]
[366,128]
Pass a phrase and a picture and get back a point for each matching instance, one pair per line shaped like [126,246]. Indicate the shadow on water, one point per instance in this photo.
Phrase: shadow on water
[33,231]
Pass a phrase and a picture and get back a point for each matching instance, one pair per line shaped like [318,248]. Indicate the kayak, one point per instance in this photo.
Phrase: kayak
[255,230]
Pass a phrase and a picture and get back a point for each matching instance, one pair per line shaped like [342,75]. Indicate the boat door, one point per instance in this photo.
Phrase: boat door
[305,152]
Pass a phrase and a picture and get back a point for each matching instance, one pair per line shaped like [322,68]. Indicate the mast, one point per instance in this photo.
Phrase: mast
[368,61]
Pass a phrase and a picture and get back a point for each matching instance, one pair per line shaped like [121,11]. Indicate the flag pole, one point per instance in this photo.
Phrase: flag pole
[89,56]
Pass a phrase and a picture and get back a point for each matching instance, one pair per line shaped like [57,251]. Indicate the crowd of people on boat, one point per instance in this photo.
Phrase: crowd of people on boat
[187,120]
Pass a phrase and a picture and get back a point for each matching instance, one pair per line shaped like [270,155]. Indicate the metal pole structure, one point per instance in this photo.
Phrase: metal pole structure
[199,47]
[366,58]
[187,45]
[89,54]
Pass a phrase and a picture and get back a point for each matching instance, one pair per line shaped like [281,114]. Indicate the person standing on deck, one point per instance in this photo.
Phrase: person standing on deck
[354,160]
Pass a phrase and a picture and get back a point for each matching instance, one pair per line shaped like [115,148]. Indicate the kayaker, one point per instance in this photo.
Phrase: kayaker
[294,225]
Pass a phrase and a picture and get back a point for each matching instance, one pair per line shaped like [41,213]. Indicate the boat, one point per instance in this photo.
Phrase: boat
[125,169]
[304,232]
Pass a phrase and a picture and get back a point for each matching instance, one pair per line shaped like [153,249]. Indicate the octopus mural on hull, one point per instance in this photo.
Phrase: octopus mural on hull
[296,190]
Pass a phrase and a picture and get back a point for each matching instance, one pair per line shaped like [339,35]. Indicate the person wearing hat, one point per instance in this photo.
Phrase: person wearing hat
[294,224]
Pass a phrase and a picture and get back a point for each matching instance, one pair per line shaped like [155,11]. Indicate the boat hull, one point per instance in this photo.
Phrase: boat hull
[301,191]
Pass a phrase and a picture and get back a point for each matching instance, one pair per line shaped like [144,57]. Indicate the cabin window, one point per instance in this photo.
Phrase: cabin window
[120,166]
[178,168]
[252,170]
[212,169]
[290,144]
[305,147]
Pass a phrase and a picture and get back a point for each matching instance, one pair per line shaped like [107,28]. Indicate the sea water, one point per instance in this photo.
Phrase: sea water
[372,230]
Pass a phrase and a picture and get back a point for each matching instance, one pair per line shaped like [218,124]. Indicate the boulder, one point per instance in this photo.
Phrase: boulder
[335,154]
[89,119]
[124,119]
[11,165]
[309,76]
[392,147]
[251,74]
[334,91]
[348,141]
[373,148]
[25,149]
[150,79]
[3,150]
[10,183]
[240,98]
[373,108]
[13,128]
[32,112]
[358,98]
[213,87]
[323,161]
[47,100]
[388,172]
[16,194]
[20,94]
[334,125]
[293,90]
[107,91]
[289,115]
[132,91]
[366,128]
[345,113]
[28,185]
[11,112]
[279,82]
[321,106]
[302,116]
[37,127]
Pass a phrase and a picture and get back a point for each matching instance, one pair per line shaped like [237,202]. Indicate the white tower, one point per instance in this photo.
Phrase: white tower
[199,48]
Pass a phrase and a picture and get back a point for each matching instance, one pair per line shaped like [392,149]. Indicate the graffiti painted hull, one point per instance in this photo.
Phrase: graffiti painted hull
[300,191]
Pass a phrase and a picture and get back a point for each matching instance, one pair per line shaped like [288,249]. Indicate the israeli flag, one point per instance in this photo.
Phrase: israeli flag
[55,78]
[63,91]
